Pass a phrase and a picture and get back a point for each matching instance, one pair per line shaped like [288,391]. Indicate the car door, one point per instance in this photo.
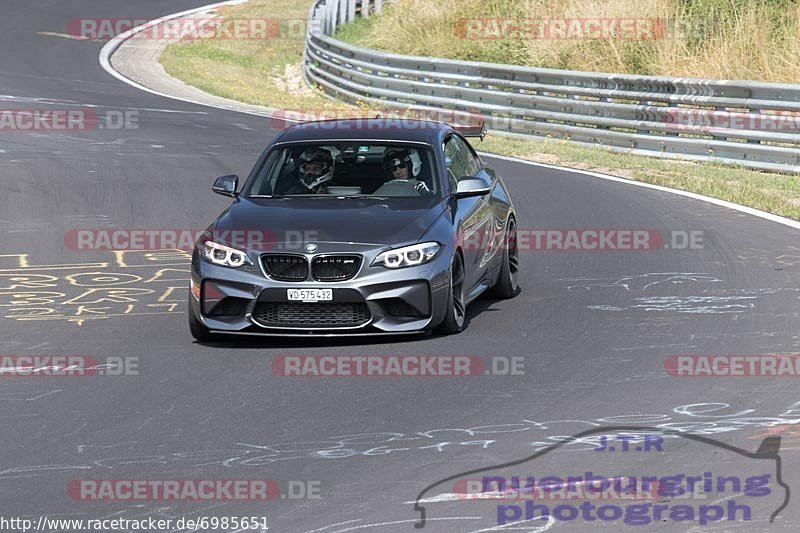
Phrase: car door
[475,214]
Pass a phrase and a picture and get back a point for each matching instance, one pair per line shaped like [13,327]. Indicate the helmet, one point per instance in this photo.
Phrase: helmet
[315,157]
[400,157]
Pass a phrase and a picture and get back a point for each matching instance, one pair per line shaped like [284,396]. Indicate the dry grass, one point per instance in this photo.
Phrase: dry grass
[264,72]
[729,39]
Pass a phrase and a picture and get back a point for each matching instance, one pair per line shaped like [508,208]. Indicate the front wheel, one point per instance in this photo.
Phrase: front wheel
[456,315]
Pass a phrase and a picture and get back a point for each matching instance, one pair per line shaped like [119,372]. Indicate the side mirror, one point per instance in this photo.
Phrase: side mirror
[472,186]
[226,185]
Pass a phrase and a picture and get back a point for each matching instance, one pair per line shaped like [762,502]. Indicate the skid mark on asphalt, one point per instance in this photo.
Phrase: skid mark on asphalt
[708,300]
[641,282]
[686,304]
[62,35]
[697,419]
[34,471]
[21,397]
[327,529]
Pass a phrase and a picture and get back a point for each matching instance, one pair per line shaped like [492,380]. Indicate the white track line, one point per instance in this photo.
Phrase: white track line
[110,47]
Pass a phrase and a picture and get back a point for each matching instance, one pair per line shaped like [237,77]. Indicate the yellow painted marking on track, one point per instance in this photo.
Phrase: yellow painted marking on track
[21,259]
[168,293]
[124,257]
[64,317]
[94,291]
[57,267]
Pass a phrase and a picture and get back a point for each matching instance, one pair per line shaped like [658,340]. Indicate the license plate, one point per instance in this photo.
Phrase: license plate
[310,295]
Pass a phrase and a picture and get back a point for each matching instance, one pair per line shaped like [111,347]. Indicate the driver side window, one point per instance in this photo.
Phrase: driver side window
[460,160]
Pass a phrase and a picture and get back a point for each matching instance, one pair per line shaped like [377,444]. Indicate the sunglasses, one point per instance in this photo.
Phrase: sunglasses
[397,163]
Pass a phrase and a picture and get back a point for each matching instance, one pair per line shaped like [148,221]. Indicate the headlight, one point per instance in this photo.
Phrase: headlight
[407,256]
[224,255]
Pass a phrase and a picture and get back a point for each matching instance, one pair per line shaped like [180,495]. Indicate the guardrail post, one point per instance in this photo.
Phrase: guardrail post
[332,17]
[342,13]
[315,26]
[326,14]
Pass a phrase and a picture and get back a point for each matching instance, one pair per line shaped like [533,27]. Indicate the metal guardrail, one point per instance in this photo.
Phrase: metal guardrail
[649,115]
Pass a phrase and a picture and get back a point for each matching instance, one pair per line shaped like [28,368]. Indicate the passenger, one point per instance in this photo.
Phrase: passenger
[398,164]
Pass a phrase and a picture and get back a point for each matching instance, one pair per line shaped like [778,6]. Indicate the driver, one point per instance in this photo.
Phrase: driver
[398,164]
[315,169]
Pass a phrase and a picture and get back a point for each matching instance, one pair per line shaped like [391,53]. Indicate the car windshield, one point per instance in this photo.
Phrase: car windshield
[348,170]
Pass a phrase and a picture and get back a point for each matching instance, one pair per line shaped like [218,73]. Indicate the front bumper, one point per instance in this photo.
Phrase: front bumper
[376,300]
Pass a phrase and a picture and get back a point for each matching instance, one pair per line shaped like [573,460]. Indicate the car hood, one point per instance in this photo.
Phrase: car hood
[354,220]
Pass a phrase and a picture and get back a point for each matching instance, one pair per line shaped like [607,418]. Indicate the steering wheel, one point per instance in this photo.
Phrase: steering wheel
[397,188]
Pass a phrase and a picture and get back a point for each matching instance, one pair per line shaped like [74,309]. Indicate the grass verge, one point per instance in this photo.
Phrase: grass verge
[729,39]
[269,73]
[264,72]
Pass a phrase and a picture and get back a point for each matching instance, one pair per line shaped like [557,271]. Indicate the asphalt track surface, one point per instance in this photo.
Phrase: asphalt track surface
[594,329]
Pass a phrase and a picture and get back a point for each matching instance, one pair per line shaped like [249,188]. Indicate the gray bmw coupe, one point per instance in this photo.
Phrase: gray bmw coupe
[356,227]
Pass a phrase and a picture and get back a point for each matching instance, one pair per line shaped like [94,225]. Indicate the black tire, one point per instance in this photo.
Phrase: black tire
[507,285]
[456,316]
[198,330]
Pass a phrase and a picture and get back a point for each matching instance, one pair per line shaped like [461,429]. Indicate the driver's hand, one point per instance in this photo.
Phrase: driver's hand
[422,187]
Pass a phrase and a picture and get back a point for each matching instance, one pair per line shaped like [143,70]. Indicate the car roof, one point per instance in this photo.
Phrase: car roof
[384,129]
